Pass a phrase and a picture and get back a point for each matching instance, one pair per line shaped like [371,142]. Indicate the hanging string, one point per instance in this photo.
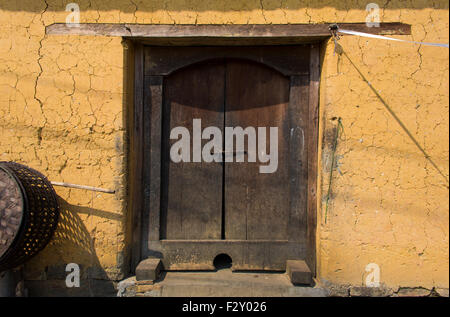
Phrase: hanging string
[339,129]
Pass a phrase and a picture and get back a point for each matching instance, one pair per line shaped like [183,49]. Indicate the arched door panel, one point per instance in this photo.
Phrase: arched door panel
[195,209]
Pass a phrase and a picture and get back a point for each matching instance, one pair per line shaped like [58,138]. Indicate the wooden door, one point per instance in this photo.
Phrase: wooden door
[196,209]
[192,191]
[257,204]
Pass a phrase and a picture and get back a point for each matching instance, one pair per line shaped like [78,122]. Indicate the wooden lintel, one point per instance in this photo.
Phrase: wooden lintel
[173,31]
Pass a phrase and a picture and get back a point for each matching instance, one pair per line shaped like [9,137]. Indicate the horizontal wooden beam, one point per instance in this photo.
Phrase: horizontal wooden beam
[246,31]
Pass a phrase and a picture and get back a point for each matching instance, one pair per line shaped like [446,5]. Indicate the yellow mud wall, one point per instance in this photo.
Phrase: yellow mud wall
[63,106]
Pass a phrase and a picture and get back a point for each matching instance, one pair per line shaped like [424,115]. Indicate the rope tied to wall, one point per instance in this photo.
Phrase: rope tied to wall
[335,30]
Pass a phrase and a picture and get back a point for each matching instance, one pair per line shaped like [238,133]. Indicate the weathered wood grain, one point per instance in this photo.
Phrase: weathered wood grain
[211,32]
[192,203]
[313,130]
[257,204]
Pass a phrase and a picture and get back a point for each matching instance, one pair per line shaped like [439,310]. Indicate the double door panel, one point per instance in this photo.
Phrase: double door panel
[226,200]
[235,203]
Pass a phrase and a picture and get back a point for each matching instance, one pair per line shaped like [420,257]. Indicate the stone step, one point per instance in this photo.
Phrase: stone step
[222,283]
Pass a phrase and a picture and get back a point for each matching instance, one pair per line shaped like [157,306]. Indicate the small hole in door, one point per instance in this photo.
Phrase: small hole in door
[222,261]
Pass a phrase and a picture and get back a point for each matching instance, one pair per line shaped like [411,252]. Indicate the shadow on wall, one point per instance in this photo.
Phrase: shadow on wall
[200,5]
[71,243]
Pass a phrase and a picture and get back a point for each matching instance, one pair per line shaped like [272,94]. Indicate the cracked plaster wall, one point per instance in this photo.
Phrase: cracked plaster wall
[62,112]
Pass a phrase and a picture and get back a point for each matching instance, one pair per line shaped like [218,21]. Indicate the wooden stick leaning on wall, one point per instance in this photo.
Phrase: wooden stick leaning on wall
[95,189]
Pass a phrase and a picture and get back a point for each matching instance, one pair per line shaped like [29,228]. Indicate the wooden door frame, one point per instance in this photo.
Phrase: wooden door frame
[138,149]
